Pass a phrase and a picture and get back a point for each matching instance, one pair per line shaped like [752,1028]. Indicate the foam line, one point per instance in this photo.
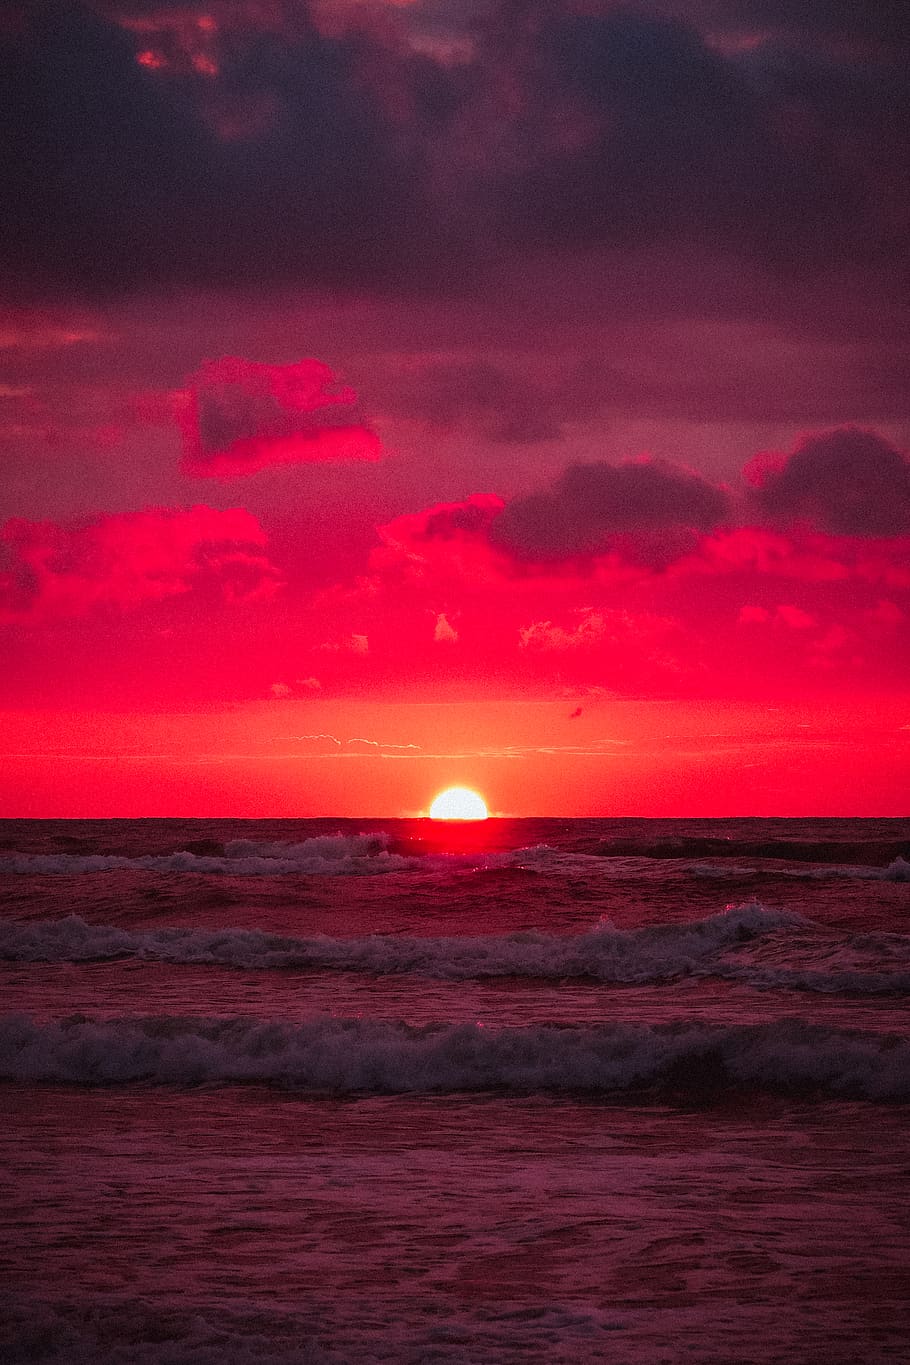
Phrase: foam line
[657,952]
[355,1056]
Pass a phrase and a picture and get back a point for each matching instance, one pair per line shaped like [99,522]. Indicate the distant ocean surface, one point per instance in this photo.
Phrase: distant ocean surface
[522,1091]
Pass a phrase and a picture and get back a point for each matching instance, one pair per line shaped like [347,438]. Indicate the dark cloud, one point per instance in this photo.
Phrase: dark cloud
[878,21]
[666,138]
[241,416]
[264,149]
[278,164]
[883,21]
[510,407]
[847,482]
[648,509]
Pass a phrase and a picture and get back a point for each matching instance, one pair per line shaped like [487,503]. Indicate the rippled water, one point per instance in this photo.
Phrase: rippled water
[531,1090]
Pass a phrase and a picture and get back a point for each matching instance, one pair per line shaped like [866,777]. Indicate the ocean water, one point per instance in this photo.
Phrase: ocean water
[539,1090]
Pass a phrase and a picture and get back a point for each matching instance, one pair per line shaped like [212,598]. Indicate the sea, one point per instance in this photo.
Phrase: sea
[312,1091]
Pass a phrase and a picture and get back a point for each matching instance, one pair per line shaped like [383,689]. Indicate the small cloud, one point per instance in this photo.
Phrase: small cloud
[350,644]
[444,633]
[239,416]
[573,715]
[301,686]
[834,640]
[591,693]
[323,744]
[591,629]
[887,613]
[794,617]
[312,739]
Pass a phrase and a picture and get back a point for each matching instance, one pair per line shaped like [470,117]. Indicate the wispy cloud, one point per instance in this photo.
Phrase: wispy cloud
[356,743]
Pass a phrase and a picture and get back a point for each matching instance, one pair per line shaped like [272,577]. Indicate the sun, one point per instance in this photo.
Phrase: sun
[458,803]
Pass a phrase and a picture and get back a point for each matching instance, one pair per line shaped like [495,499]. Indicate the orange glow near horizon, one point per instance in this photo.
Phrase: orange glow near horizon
[358,758]
[459,803]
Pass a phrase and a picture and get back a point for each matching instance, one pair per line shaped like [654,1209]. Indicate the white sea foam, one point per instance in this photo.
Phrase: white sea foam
[329,855]
[898,870]
[657,952]
[830,981]
[337,855]
[865,964]
[356,1056]
[326,855]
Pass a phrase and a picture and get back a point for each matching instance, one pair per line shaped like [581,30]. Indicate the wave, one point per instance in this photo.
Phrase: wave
[862,964]
[843,851]
[333,855]
[848,981]
[329,854]
[356,1056]
[654,953]
[896,871]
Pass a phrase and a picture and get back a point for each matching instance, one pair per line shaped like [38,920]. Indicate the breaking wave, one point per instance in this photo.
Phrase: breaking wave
[328,854]
[333,855]
[896,871]
[355,1056]
[654,953]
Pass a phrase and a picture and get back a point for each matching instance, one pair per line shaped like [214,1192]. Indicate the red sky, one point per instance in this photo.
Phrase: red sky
[497,394]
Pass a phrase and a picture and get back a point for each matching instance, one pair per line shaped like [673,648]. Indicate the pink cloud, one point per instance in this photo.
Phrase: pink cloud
[50,570]
[794,618]
[443,631]
[239,416]
[802,555]
[469,518]
[753,616]
[588,631]
[447,541]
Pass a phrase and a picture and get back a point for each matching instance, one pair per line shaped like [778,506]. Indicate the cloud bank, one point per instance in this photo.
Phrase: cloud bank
[240,417]
[53,571]
[333,145]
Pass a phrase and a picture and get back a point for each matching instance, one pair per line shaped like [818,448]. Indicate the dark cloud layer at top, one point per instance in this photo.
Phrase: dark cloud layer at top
[877,21]
[664,139]
[120,176]
[289,154]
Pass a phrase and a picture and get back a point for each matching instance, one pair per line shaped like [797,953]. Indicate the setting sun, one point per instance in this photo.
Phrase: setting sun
[458,803]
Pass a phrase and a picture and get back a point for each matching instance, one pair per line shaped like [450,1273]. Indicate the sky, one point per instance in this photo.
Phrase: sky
[482,392]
